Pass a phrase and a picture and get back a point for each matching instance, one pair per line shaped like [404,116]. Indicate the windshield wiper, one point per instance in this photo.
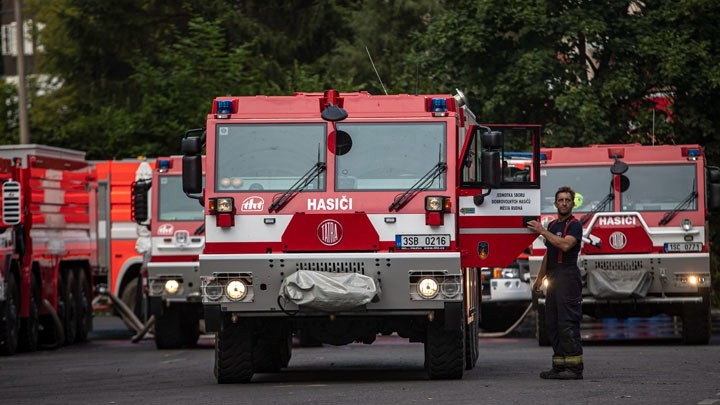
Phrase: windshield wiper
[299,185]
[599,207]
[671,214]
[421,185]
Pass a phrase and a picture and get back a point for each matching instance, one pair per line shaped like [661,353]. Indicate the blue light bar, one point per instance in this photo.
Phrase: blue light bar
[438,105]
[163,164]
[224,107]
[693,152]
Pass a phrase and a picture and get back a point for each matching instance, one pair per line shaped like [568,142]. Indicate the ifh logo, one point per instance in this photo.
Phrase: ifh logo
[252,204]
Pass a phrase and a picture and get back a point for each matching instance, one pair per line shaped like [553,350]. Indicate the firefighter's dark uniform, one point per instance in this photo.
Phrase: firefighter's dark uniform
[563,302]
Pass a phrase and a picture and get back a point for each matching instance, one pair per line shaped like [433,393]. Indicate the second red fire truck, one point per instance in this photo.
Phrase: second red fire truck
[644,212]
[345,216]
[48,247]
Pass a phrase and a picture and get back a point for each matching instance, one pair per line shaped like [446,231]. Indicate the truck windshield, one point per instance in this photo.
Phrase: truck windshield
[660,188]
[390,156]
[268,157]
[591,184]
[173,204]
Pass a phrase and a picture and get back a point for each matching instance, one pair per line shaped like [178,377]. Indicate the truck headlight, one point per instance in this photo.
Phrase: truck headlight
[214,291]
[236,290]
[428,287]
[172,286]
[450,287]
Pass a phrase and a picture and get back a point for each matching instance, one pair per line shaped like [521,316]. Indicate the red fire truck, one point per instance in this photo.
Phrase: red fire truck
[120,264]
[176,237]
[645,237]
[345,216]
[48,247]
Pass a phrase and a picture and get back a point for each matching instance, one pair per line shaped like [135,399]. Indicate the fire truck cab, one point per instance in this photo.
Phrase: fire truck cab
[345,216]
[645,248]
[173,237]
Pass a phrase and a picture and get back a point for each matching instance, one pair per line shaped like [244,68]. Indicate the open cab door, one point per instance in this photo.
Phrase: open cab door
[499,193]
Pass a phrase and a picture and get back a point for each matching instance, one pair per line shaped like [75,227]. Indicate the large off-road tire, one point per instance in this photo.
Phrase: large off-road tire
[696,322]
[10,317]
[132,296]
[541,328]
[177,327]
[444,351]
[30,326]
[234,351]
[272,347]
[69,315]
[84,307]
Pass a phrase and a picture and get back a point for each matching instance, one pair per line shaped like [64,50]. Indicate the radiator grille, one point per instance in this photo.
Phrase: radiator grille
[621,265]
[333,267]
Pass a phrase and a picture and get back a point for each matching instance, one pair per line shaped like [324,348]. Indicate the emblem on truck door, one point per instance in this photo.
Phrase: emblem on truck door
[483,249]
[330,232]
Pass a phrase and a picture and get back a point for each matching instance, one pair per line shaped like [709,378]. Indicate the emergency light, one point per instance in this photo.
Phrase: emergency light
[438,106]
[163,165]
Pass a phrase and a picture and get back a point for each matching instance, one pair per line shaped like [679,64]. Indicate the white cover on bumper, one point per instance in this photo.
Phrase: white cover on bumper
[619,284]
[328,291]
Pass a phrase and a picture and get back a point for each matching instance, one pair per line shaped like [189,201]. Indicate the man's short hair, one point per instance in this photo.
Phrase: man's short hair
[565,189]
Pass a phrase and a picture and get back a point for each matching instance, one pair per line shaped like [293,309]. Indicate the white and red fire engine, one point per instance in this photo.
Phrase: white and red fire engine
[120,265]
[345,216]
[176,237]
[48,245]
[644,212]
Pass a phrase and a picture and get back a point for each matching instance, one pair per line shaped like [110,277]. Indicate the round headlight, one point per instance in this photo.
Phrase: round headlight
[214,291]
[172,286]
[686,224]
[156,287]
[236,290]
[693,280]
[450,288]
[428,288]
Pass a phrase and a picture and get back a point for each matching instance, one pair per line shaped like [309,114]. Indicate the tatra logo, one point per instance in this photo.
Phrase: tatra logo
[330,232]
[618,240]
[252,204]
[165,229]
[624,220]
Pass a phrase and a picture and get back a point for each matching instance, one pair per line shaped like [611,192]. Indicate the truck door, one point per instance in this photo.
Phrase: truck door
[499,192]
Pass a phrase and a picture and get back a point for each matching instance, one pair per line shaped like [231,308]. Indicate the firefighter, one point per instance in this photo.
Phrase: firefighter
[563,297]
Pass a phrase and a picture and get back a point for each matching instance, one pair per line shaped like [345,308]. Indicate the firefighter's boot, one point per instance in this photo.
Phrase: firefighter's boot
[558,365]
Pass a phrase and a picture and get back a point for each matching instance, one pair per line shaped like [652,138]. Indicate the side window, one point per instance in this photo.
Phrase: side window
[502,157]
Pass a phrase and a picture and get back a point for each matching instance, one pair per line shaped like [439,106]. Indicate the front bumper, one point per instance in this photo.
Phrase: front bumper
[397,276]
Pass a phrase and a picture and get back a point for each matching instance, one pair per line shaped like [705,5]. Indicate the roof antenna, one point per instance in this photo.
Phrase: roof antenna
[376,72]
[417,78]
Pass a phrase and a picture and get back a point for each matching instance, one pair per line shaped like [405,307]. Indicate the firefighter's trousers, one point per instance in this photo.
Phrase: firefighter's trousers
[563,313]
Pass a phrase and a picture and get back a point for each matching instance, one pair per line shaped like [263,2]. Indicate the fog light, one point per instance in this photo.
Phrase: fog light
[693,280]
[450,288]
[236,290]
[214,291]
[428,288]
[172,286]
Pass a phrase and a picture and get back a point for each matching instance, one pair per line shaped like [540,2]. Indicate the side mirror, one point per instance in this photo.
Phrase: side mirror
[491,167]
[713,189]
[140,205]
[192,174]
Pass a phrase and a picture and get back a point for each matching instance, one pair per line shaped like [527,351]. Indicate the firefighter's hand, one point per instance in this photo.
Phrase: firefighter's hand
[535,226]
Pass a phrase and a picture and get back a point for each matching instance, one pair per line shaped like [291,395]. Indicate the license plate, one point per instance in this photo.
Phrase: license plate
[683,247]
[422,241]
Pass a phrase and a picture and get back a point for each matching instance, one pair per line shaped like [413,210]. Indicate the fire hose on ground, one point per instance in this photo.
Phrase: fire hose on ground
[128,316]
[511,328]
